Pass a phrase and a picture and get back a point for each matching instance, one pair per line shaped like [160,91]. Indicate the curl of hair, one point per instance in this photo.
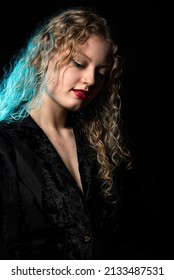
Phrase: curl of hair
[102,126]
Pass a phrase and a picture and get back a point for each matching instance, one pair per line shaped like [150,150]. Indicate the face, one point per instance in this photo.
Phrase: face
[80,80]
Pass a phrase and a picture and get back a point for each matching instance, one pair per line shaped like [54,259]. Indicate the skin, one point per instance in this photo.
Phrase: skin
[86,71]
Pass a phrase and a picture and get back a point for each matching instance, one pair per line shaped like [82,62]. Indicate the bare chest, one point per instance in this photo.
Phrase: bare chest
[65,145]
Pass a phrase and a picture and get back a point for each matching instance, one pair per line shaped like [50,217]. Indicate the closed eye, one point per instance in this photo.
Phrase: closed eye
[77,64]
[101,75]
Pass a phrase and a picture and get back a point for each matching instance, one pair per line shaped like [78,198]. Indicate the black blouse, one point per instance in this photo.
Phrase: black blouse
[45,215]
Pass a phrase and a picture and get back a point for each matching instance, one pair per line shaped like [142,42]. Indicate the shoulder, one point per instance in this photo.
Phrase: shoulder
[17,128]
[130,192]
[8,136]
[6,146]
[133,199]
[7,133]
[7,129]
[126,179]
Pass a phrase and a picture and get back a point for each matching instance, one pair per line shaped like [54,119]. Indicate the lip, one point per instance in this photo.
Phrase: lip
[81,93]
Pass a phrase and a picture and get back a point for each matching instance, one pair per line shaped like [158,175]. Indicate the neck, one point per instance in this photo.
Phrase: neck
[50,119]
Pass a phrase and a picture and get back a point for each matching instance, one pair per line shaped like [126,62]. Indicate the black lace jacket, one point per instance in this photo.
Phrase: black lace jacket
[43,213]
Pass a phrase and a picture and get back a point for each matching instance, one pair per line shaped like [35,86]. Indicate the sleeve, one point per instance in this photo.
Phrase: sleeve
[8,195]
[131,222]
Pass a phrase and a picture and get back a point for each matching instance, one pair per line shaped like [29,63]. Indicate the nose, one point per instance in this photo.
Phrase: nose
[89,77]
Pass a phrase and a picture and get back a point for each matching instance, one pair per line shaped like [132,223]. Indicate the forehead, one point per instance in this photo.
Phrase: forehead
[96,49]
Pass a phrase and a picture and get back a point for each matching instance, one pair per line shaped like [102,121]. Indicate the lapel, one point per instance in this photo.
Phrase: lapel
[85,159]
[29,170]
[34,139]
[29,166]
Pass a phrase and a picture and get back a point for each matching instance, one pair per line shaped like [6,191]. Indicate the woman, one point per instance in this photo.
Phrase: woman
[65,188]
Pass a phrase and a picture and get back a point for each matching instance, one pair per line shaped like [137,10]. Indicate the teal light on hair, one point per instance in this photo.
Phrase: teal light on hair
[23,82]
[18,87]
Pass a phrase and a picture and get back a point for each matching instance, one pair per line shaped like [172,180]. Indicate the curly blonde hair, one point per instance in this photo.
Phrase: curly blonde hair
[25,80]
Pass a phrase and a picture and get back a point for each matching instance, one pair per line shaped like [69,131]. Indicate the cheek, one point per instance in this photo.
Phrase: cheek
[53,84]
[98,87]
[94,96]
[71,76]
[59,80]
[98,90]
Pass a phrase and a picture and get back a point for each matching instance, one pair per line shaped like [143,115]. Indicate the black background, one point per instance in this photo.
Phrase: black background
[136,28]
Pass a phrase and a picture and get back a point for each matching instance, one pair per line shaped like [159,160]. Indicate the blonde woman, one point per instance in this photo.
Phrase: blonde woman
[64,167]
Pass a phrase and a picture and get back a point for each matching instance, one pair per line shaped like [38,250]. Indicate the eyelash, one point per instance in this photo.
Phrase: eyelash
[78,65]
[102,76]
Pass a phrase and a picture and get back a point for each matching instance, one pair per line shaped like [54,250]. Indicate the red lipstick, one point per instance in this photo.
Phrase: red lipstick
[81,93]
